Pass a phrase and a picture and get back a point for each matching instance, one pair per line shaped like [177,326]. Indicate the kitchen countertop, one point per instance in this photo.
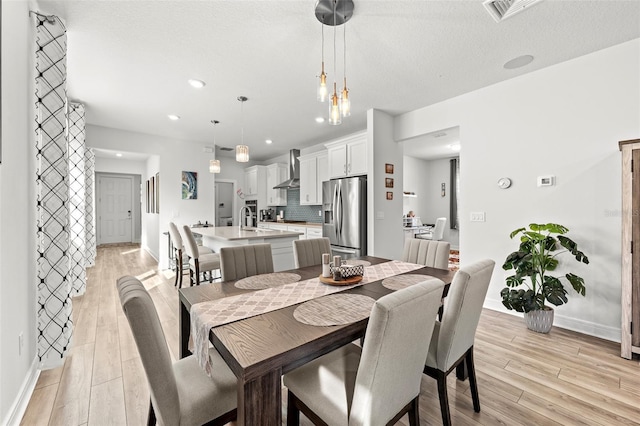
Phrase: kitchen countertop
[231,233]
[292,223]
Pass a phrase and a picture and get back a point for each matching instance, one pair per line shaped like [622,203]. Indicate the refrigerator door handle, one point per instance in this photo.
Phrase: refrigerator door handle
[334,206]
[341,210]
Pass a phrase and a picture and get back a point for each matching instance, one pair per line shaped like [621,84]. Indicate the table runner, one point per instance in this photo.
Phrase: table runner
[206,315]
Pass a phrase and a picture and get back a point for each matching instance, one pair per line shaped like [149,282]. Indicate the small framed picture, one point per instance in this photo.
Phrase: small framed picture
[388,168]
[389,195]
[388,182]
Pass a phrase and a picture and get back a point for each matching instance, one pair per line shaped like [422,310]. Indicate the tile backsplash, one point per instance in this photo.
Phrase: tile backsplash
[294,211]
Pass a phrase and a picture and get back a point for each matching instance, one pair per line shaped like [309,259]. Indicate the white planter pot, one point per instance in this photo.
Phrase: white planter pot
[540,320]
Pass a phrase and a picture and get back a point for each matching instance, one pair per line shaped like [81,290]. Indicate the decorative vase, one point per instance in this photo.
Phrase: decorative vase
[540,320]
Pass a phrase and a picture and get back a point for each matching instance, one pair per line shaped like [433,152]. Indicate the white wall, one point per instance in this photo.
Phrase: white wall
[386,215]
[17,211]
[169,157]
[566,121]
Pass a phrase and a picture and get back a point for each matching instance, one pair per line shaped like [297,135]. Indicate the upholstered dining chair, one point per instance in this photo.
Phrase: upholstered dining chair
[199,264]
[428,253]
[181,392]
[179,255]
[375,384]
[244,261]
[309,252]
[438,231]
[453,336]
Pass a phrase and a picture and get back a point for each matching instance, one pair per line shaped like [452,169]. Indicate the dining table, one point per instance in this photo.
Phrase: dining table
[261,348]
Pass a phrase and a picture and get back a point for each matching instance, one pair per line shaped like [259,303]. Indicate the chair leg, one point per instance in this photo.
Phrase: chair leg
[181,266]
[197,274]
[444,399]
[414,412]
[151,418]
[178,266]
[472,380]
[293,414]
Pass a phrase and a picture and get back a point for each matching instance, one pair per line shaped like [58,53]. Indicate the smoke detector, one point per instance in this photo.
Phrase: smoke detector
[503,9]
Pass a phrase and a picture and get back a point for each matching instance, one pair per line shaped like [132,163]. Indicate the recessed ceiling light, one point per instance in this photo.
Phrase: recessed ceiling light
[198,84]
[518,62]
[173,117]
[319,119]
[118,154]
[454,147]
[268,141]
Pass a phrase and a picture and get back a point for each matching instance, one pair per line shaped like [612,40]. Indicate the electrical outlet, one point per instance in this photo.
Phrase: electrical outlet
[20,343]
[320,213]
[477,216]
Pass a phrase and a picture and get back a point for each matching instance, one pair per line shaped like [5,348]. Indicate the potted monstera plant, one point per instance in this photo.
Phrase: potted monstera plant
[533,284]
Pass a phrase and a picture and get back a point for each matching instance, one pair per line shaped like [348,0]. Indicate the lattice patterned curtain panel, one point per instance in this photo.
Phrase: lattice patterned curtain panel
[77,199]
[52,191]
[90,207]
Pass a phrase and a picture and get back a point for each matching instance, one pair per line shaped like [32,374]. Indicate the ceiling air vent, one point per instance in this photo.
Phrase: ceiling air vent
[224,148]
[503,9]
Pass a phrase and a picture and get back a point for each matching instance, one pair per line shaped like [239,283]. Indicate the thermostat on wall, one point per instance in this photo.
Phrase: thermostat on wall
[546,180]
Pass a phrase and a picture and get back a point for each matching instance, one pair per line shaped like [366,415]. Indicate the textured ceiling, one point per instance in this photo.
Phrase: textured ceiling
[129,61]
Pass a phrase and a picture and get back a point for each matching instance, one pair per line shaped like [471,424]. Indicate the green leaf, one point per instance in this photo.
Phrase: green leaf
[554,228]
[554,291]
[516,232]
[577,283]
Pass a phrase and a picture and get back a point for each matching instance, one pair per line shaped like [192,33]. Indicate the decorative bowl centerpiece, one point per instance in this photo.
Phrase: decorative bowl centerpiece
[348,271]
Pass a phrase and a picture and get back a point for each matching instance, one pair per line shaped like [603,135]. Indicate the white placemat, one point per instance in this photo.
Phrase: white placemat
[262,281]
[399,282]
[335,309]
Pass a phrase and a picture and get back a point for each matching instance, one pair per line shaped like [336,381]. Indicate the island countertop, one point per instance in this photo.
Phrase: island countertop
[231,233]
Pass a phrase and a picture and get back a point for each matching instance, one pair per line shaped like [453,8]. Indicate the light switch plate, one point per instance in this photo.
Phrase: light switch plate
[477,216]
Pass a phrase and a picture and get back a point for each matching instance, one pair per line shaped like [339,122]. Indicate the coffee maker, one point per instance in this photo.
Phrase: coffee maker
[267,215]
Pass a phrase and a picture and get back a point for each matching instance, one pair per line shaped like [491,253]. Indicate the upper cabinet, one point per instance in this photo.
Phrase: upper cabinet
[254,178]
[348,157]
[276,174]
[313,171]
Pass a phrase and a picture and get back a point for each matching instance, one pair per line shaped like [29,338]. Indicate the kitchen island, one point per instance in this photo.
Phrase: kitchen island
[216,237]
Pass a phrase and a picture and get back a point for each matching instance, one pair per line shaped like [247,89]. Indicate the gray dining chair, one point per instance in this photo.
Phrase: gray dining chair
[428,253]
[181,392]
[437,233]
[179,255]
[199,264]
[453,336]
[244,261]
[379,383]
[309,252]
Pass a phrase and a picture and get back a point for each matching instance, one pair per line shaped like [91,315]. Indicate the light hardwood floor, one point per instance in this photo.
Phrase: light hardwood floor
[524,378]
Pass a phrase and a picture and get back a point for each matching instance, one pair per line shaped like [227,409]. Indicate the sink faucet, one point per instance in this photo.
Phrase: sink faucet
[242,226]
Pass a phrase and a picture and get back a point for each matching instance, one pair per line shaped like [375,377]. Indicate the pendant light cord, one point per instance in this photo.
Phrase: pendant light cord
[335,6]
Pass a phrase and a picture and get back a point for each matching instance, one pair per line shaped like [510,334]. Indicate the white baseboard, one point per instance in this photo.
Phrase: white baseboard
[19,406]
[573,324]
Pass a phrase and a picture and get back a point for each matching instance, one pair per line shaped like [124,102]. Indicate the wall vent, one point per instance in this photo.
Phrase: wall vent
[503,9]
[224,148]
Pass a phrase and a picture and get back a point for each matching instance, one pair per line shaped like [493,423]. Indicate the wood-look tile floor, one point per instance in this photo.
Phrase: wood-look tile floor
[524,378]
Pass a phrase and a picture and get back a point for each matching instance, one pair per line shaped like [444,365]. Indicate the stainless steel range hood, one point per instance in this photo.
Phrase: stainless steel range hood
[294,172]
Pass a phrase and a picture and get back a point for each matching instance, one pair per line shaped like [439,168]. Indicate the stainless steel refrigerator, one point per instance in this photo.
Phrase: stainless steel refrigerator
[344,205]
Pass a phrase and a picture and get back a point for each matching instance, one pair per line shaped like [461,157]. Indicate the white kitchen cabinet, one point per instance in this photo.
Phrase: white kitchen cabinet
[313,171]
[276,174]
[298,228]
[254,182]
[348,157]
[314,232]
[278,227]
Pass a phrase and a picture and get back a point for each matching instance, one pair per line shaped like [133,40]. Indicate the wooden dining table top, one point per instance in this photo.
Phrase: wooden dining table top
[274,343]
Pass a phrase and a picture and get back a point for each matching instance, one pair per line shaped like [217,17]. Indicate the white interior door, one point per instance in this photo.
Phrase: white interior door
[115,209]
